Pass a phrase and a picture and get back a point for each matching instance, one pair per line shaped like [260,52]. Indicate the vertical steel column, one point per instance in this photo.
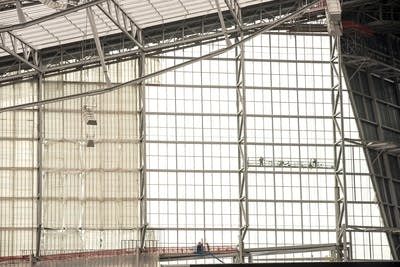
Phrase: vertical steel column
[242,137]
[339,151]
[39,173]
[142,147]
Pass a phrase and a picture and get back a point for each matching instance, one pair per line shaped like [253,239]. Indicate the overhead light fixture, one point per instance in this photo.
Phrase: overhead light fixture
[90,143]
[89,140]
[88,115]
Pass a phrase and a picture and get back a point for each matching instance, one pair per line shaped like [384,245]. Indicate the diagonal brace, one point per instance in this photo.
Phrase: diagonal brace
[98,44]
[221,19]
[15,45]
[122,20]
[20,13]
[231,8]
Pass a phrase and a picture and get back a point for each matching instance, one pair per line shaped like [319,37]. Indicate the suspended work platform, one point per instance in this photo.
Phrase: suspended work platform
[312,163]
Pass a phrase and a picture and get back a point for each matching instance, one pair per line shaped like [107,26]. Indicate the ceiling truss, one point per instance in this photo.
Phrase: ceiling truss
[273,25]
[121,19]
[188,33]
[13,45]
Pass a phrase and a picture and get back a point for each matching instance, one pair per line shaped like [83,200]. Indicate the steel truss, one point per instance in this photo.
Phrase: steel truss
[142,149]
[14,45]
[241,135]
[50,16]
[343,241]
[358,54]
[39,171]
[269,26]
[122,20]
[172,36]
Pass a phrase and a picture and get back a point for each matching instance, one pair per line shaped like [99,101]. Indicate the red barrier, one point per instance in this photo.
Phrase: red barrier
[165,251]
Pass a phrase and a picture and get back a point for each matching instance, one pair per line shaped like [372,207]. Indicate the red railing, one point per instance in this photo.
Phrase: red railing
[165,251]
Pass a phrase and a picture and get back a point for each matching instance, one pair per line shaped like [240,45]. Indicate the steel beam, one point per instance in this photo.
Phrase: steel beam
[39,175]
[230,4]
[122,20]
[20,13]
[361,228]
[241,118]
[136,81]
[342,242]
[15,45]
[223,27]
[141,101]
[100,53]
[290,249]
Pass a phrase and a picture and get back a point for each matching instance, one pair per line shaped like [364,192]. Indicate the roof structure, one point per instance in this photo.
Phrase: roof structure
[65,36]
[75,26]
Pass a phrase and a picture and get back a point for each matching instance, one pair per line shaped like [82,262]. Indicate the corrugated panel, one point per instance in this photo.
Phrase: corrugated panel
[75,26]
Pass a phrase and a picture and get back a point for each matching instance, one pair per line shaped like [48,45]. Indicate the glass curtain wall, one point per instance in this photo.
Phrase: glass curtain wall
[193,154]
[90,191]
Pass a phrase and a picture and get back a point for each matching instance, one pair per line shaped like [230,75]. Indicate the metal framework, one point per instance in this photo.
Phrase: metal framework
[69,57]
[21,16]
[378,153]
[50,16]
[371,70]
[242,136]
[339,152]
[221,19]
[272,25]
[14,45]
[100,53]
[142,148]
[39,203]
[153,51]
[121,19]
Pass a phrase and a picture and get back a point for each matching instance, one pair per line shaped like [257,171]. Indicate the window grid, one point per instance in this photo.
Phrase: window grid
[289,119]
